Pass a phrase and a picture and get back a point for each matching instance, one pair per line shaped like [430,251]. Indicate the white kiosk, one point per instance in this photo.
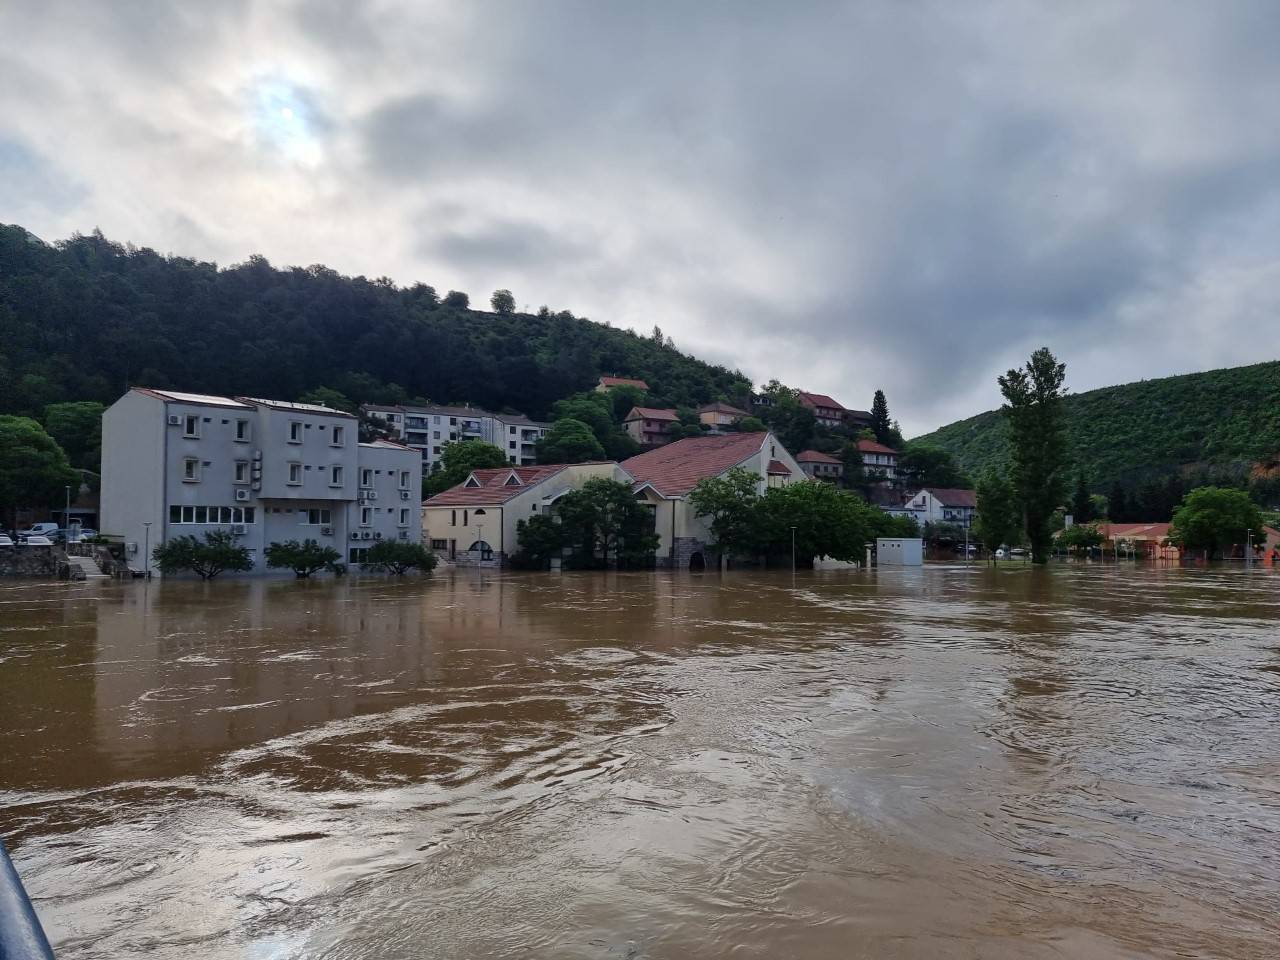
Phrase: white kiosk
[899,552]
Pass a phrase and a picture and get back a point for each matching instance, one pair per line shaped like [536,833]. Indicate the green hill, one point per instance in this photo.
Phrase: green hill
[85,318]
[1225,417]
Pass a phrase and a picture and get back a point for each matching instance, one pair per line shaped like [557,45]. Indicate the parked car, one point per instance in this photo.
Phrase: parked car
[35,541]
[5,540]
[39,530]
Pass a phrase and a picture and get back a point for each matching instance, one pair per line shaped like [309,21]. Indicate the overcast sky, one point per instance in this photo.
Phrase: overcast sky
[846,196]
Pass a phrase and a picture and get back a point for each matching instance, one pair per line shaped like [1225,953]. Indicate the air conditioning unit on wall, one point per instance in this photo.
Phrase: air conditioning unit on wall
[366,535]
[238,528]
[242,495]
[175,420]
[326,531]
[355,534]
[373,495]
[404,494]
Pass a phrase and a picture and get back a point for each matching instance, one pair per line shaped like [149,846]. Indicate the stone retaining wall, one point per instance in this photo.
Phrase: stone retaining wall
[46,563]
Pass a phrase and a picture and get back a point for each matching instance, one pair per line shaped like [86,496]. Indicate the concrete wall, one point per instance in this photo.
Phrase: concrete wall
[133,473]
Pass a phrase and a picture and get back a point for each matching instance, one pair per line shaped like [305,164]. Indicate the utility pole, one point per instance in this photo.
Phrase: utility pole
[146,548]
[66,514]
[793,551]
[1248,549]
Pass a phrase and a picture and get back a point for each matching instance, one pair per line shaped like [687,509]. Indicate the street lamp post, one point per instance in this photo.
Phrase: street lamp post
[66,514]
[1248,549]
[146,547]
[793,550]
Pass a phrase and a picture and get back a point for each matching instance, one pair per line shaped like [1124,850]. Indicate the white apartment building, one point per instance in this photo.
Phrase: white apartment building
[265,470]
[428,429]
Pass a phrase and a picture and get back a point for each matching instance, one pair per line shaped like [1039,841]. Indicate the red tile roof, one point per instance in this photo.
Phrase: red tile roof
[719,407]
[675,469]
[493,487]
[622,382]
[778,469]
[816,456]
[871,446]
[951,497]
[1134,531]
[651,413]
[819,400]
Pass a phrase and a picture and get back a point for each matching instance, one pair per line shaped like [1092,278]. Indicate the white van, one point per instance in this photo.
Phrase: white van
[39,530]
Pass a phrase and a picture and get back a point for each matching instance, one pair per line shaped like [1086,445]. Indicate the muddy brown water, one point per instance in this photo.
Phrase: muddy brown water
[947,762]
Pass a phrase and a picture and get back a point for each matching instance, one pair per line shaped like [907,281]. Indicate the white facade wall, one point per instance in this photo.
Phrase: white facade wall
[428,429]
[264,473]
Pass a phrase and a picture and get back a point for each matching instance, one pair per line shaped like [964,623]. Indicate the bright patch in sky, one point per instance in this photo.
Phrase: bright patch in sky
[286,122]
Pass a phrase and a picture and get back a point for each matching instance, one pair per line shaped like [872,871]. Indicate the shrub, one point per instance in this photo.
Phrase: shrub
[400,556]
[303,558]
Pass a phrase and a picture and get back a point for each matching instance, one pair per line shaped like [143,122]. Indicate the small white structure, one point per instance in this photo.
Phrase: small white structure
[899,552]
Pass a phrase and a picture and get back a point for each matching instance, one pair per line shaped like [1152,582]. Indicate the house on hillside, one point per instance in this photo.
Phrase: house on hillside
[264,471]
[720,416]
[476,521]
[428,429]
[649,426]
[605,384]
[820,466]
[665,477]
[939,505]
[878,459]
[826,410]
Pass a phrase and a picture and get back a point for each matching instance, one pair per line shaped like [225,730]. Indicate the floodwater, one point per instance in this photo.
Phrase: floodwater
[936,763]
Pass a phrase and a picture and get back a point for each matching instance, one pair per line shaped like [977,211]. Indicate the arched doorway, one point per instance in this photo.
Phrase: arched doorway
[697,563]
[481,549]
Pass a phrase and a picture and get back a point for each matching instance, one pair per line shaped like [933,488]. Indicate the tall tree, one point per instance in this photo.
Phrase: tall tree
[881,425]
[923,465]
[1033,409]
[1117,504]
[1081,504]
[77,428]
[503,302]
[33,469]
[605,526]
[998,519]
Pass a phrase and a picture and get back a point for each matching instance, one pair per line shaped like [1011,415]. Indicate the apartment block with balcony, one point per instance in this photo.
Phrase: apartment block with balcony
[429,429]
[265,470]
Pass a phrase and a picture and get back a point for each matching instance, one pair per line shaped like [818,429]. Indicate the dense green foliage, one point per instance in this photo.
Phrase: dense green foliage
[33,468]
[603,414]
[1213,518]
[77,429]
[998,519]
[1038,444]
[1131,432]
[86,318]
[926,465]
[1081,536]
[825,521]
[599,525]
[457,460]
[881,425]
[218,551]
[303,558]
[400,556]
[569,441]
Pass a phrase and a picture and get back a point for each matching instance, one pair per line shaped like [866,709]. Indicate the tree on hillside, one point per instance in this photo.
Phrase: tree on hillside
[854,476]
[503,302]
[456,300]
[1117,504]
[304,558]
[457,460]
[881,425]
[1033,409]
[328,397]
[922,465]
[569,441]
[791,421]
[77,428]
[598,412]
[1212,519]
[217,552]
[1081,502]
[33,469]
[998,519]
[752,425]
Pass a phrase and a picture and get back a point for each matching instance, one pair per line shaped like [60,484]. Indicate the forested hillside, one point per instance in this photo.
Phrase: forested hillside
[1137,430]
[84,318]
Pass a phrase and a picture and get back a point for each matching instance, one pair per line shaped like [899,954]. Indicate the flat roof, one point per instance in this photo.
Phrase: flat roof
[206,399]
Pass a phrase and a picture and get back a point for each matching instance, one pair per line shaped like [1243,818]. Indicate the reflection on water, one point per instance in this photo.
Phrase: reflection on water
[922,763]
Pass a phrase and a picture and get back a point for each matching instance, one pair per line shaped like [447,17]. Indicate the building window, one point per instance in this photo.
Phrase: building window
[242,431]
[366,477]
[439,544]
[338,436]
[404,479]
[295,474]
[453,518]
[335,476]
[295,431]
[242,471]
[191,426]
[366,516]
[316,517]
[191,470]
[404,516]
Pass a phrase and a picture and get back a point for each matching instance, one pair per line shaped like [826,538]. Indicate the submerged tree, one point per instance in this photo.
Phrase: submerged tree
[207,558]
[304,559]
[1212,519]
[399,557]
[998,519]
[1033,409]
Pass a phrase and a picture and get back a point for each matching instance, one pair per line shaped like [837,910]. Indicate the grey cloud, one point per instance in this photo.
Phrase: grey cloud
[843,195]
